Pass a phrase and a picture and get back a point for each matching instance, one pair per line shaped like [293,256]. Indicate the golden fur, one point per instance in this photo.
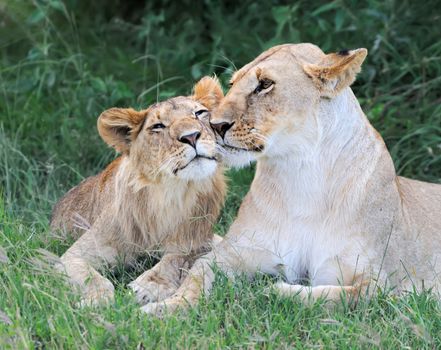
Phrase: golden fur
[163,194]
[326,210]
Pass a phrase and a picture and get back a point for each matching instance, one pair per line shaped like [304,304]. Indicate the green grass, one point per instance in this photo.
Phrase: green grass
[62,63]
[41,312]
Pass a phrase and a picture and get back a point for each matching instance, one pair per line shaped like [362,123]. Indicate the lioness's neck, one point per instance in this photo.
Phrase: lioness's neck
[338,160]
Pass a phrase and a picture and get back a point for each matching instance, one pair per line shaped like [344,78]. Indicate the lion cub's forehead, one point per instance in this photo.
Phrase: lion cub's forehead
[174,108]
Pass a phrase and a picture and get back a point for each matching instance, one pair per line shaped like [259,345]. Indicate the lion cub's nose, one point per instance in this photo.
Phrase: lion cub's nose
[190,139]
[221,128]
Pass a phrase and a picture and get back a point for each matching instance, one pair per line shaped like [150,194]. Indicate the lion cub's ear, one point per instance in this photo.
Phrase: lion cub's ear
[208,92]
[118,127]
[336,70]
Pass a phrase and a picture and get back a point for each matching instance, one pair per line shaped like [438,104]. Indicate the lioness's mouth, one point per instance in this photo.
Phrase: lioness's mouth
[198,156]
[254,149]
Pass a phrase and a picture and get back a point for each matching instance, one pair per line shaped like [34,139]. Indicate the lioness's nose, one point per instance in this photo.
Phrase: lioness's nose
[221,128]
[190,139]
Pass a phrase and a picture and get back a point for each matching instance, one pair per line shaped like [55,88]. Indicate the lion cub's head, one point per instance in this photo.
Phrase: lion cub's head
[273,99]
[168,139]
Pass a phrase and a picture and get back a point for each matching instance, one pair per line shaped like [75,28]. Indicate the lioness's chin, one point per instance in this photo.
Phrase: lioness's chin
[237,158]
[198,169]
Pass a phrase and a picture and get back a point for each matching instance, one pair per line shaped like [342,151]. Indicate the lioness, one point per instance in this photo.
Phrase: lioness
[326,205]
[164,193]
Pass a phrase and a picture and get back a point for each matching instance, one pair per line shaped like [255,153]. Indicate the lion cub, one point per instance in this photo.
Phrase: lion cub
[162,194]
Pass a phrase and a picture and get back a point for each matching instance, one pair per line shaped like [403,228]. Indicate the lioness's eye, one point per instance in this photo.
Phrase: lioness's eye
[157,127]
[200,112]
[263,85]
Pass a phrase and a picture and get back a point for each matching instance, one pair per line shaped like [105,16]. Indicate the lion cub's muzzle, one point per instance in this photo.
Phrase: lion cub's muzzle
[199,151]
[190,139]
[198,156]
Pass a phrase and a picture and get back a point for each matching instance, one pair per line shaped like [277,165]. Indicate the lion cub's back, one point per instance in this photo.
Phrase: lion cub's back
[77,210]
[74,209]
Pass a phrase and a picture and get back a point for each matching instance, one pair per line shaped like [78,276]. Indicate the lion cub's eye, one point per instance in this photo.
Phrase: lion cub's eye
[200,113]
[157,127]
[264,84]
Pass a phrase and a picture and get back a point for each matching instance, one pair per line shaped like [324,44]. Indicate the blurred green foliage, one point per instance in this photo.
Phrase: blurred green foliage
[63,62]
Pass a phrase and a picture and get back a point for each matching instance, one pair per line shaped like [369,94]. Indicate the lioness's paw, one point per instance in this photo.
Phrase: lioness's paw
[148,291]
[97,292]
[159,309]
[286,289]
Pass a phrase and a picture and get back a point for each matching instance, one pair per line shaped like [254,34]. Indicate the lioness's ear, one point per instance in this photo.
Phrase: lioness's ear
[336,70]
[208,92]
[118,127]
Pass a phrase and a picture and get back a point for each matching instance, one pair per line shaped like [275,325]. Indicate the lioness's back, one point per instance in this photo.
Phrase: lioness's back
[422,205]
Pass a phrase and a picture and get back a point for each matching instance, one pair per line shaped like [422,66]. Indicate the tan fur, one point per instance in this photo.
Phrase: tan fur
[326,204]
[157,197]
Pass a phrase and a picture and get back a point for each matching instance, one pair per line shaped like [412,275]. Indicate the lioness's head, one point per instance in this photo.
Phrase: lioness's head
[170,138]
[273,99]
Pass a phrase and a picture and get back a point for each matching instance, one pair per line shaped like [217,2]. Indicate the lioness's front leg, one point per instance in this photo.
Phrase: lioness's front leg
[199,279]
[309,295]
[229,257]
[80,262]
[337,280]
[162,280]
[165,277]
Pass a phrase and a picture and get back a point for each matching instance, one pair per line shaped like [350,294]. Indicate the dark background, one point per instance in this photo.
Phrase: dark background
[64,62]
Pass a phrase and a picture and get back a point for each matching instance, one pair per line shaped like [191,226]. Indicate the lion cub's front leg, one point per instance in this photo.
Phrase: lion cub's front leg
[80,262]
[162,280]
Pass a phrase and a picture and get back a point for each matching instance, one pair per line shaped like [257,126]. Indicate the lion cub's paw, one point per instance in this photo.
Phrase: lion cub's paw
[148,291]
[97,292]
